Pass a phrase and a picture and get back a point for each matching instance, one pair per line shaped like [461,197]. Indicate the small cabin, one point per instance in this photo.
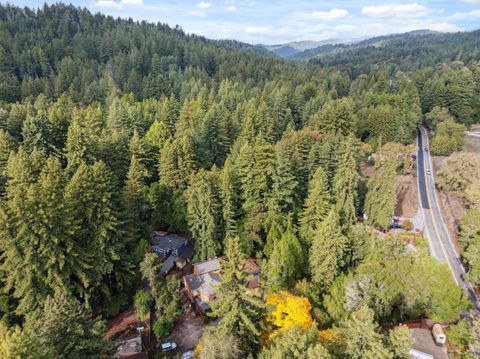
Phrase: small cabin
[438,334]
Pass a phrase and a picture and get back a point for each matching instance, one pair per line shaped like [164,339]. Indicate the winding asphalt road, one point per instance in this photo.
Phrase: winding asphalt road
[440,243]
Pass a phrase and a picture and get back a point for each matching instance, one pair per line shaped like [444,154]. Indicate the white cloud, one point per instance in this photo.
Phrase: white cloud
[395,10]
[471,1]
[108,4]
[258,30]
[197,13]
[329,15]
[204,5]
[111,4]
[132,2]
[231,8]
[442,27]
[465,16]
[345,28]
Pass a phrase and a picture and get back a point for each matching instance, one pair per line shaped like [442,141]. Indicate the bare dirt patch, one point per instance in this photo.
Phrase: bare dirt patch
[366,170]
[407,196]
[123,324]
[472,144]
[475,127]
[424,342]
[188,329]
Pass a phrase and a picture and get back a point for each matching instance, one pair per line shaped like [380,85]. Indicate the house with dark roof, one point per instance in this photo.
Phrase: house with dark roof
[166,244]
[172,249]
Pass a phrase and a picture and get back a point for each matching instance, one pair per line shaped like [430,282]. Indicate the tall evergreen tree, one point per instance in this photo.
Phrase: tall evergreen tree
[63,329]
[327,251]
[284,184]
[36,229]
[381,197]
[92,196]
[285,263]
[346,181]
[230,194]
[134,195]
[364,341]
[204,217]
[239,311]
[317,206]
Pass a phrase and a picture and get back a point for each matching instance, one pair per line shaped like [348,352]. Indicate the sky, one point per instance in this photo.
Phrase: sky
[275,21]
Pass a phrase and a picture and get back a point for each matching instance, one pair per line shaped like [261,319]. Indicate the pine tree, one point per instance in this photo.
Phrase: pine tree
[203,217]
[153,141]
[381,197]
[364,342]
[336,117]
[256,179]
[93,198]
[346,181]
[296,344]
[238,310]
[286,261]
[317,206]
[213,141]
[134,195]
[7,145]
[62,329]
[230,194]
[176,163]
[284,184]
[325,155]
[327,251]
[400,341]
[36,232]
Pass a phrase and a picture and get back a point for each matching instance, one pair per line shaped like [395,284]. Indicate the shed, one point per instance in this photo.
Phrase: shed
[438,334]
[131,348]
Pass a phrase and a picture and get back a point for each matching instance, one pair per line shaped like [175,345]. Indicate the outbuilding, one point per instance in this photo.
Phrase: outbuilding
[438,334]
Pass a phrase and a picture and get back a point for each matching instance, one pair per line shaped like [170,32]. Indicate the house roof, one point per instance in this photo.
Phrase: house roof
[131,347]
[212,265]
[205,307]
[187,251]
[168,264]
[167,242]
[204,284]
[251,266]
[253,281]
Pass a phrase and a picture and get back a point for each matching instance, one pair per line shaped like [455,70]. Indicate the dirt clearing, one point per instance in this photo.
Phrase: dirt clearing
[407,196]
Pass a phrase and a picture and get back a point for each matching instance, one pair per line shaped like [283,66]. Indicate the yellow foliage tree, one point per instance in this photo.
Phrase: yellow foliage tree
[290,310]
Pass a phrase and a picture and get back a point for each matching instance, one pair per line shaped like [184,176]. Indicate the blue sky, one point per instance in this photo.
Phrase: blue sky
[275,21]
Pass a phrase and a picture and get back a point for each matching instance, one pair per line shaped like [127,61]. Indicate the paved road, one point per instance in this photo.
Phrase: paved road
[439,241]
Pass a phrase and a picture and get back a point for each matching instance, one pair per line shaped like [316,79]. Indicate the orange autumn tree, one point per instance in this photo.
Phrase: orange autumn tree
[289,310]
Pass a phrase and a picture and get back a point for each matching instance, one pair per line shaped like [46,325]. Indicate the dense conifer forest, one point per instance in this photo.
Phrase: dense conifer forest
[110,128]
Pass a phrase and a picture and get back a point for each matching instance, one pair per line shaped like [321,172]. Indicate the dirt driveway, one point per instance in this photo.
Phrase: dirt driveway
[188,329]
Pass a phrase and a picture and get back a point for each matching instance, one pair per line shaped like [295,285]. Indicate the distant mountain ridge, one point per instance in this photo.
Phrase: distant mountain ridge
[293,48]
[376,41]
[304,50]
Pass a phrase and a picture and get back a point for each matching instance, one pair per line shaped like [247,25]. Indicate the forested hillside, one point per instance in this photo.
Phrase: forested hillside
[110,128]
[406,52]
